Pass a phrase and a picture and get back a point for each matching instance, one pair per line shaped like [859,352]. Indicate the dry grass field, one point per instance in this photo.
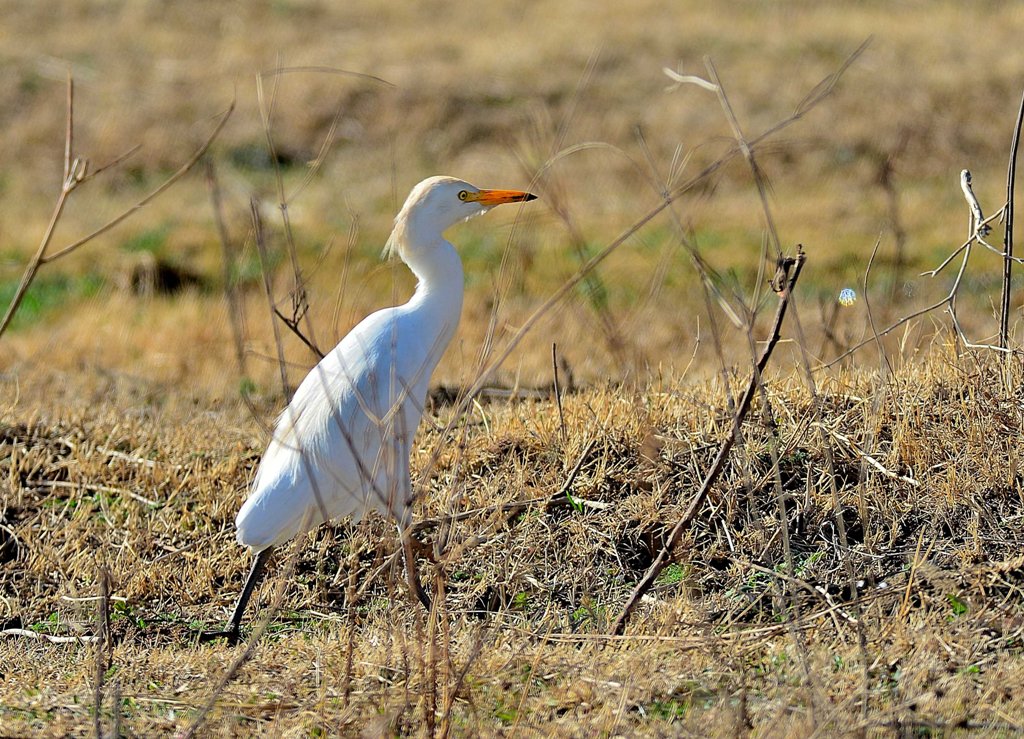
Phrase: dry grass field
[856,567]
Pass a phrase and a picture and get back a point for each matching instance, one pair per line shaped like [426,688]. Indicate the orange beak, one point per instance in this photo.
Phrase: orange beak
[490,198]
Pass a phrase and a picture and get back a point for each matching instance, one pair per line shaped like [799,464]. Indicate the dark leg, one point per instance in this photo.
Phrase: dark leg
[235,624]
[412,576]
[258,564]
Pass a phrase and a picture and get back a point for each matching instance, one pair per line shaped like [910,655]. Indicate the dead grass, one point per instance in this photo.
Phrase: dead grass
[729,638]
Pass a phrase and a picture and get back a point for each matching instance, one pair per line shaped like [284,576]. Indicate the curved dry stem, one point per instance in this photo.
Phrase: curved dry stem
[159,190]
[76,172]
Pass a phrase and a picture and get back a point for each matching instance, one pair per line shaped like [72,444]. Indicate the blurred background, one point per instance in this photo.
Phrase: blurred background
[362,100]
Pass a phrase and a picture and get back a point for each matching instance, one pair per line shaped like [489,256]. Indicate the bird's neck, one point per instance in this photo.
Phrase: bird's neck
[439,290]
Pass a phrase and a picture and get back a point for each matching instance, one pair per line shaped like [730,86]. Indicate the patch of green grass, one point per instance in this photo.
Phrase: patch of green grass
[803,564]
[249,270]
[959,608]
[521,601]
[672,575]
[505,714]
[50,626]
[31,714]
[713,238]
[46,294]
[689,696]
[593,289]
[247,387]
[152,240]
[30,82]
[667,710]
[589,613]
[122,610]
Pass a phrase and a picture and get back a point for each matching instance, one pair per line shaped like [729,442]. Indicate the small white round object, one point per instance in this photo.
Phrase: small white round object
[847,296]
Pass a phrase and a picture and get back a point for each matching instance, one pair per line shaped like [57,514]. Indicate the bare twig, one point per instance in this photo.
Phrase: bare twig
[292,322]
[558,392]
[159,190]
[74,174]
[979,228]
[1011,178]
[949,301]
[235,313]
[977,219]
[300,303]
[76,171]
[748,153]
[261,248]
[103,648]
[867,306]
[789,272]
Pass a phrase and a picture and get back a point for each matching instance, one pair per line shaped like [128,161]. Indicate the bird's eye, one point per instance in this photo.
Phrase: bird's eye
[463,194]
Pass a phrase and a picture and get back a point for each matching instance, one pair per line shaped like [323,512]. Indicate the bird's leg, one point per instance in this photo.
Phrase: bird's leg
[235,624]
[258,565]
[412,576]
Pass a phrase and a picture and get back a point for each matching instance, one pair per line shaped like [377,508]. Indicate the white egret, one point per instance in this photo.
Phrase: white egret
[342,445]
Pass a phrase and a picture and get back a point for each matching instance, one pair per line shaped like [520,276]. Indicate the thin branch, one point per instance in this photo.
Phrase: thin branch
[300,303]
[748,153]
[103,648]
[261,248]
[980,227]
[867,306]
[69,132]
[74,173]
[974,345]
[181,172]
[1011,178]
[789,271]
[293,325]
[235,314]
[558,390]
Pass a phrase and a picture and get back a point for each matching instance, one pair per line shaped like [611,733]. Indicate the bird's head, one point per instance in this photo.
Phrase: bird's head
[438,203]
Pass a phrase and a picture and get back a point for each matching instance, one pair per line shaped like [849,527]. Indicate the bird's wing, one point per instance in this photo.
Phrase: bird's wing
[342,444]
